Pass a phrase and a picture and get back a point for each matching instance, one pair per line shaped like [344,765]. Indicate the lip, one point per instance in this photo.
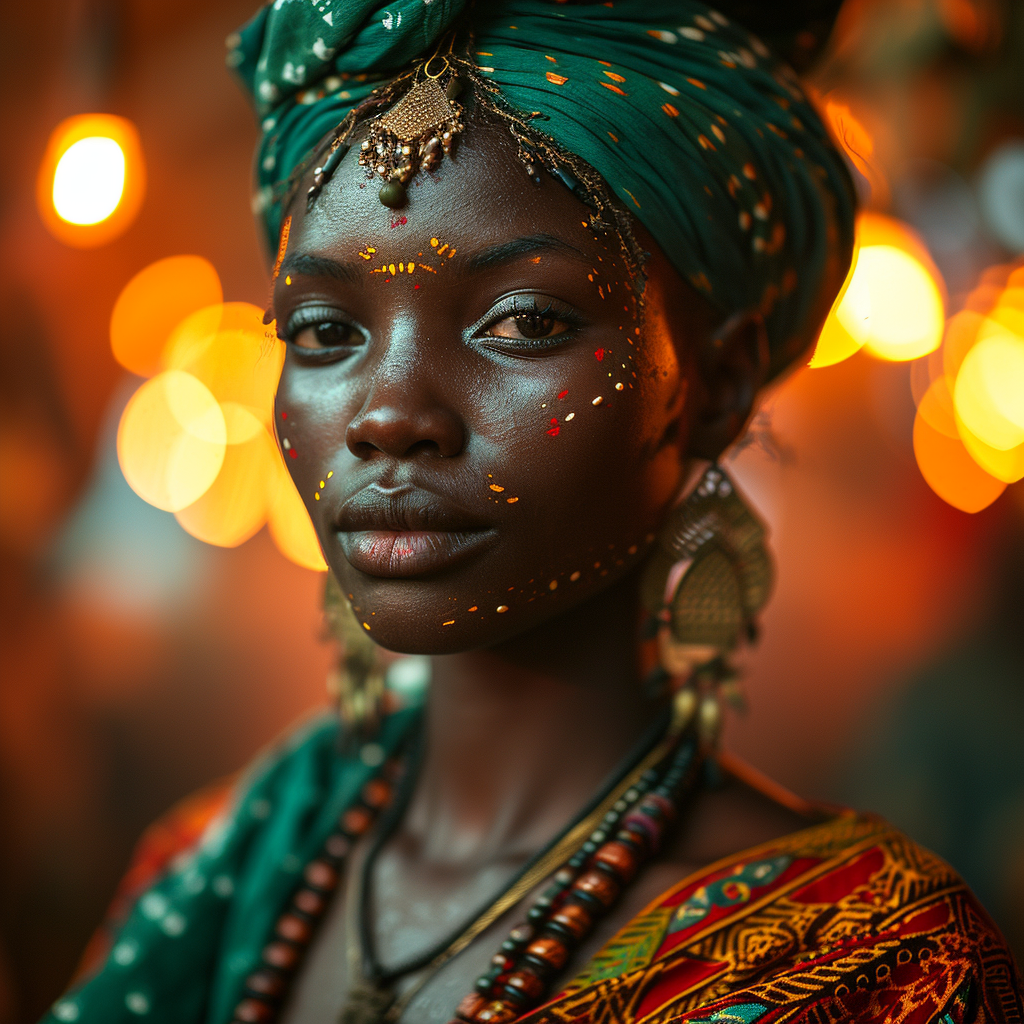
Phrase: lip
[405,532]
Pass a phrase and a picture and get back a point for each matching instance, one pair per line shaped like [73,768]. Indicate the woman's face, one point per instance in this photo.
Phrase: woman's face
[484,429]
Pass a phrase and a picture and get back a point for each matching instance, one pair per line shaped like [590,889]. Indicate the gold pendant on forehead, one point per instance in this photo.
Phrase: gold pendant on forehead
[416,132]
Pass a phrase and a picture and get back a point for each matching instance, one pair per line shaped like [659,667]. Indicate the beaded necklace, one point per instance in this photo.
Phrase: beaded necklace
[589,864]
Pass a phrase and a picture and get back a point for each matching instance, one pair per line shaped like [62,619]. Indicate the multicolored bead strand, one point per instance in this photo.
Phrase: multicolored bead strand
[267,986]
[580,894]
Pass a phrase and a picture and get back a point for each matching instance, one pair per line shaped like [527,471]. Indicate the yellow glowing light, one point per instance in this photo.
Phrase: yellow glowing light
[936,408]
[843,333]
[902,316]
[1004,464]
[153,303]
[892,303]
[171,440]
[228,348]
[989,391]
[289,523]
[950,471]
[235,506]
[89,180]
[92,179]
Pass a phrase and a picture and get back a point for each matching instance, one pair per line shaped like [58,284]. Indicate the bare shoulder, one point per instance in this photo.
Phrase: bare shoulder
[746,809]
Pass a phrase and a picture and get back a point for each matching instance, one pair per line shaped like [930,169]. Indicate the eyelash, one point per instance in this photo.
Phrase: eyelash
[315,316]
[511,307]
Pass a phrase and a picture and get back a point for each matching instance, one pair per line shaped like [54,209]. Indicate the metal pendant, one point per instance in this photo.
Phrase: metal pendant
[416,132]
[367,1004]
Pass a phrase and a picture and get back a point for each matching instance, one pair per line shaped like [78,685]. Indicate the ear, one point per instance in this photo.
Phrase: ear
[731,367]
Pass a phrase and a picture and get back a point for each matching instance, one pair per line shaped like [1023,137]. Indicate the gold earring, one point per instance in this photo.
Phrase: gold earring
[706,584]
[357,682]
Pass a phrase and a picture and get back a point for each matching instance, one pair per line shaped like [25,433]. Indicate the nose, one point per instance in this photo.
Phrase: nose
[404,414]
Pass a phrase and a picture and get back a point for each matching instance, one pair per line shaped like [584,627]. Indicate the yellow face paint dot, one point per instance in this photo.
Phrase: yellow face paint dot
[553,585]
[473,609]
[434,242]
[511,501]
[317,496]
[366,626]
[288,279]
[495,487]
[322,483]
[574,577]
[618,387]
[330,474]
[597,401]
[450,622]
[501,609]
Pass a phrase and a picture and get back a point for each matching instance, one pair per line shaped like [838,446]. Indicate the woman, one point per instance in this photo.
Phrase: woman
[533,263]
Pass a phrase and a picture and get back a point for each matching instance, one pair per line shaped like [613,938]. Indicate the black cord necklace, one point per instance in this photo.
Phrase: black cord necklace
[372,998]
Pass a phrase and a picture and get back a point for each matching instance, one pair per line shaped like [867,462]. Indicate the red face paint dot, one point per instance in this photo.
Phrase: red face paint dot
[284,415]
[293,453]
[554,429]
[415,287]
[562,395]
[599,354]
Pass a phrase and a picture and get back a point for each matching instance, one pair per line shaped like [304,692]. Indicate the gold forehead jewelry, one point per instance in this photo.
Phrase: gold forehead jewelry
[417,131]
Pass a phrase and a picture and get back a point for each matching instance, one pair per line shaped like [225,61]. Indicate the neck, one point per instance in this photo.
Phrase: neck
[521,735]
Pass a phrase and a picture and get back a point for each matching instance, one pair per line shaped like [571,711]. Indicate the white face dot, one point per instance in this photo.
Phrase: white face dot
[66,1009]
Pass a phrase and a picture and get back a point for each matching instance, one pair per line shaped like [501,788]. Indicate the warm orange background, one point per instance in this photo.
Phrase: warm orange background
[139,664]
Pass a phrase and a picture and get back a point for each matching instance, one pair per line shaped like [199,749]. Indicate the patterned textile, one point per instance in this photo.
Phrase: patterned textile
[848,920]
[701,132]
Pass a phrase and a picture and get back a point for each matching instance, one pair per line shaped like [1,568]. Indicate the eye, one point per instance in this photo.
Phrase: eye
[317,329]
[531,319]
[325,335]
[527,325]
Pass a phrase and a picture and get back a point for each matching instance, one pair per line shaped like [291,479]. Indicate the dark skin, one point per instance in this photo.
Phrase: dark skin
[422,403]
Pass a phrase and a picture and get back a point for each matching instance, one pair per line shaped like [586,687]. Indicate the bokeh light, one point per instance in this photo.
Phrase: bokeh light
[235,506]
[91,180]
[198,438]
[290,525]
[171,440]
[989,391]
[232,352]
[950,471]
[905,316]
[153,303]
[892,304]
[971,392]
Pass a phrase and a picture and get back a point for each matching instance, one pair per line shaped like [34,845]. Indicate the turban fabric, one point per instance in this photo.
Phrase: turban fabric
[700,131]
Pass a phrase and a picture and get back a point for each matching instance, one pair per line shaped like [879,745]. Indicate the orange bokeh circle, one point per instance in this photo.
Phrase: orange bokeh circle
[63,137]
[153,303]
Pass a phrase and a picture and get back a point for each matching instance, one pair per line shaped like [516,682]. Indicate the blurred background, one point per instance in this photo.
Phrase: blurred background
[154,635]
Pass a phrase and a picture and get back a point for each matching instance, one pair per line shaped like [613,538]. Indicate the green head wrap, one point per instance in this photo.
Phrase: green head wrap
[696,127]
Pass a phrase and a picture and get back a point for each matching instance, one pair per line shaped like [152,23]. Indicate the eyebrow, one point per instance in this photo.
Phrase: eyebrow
[318,266]
[508,252]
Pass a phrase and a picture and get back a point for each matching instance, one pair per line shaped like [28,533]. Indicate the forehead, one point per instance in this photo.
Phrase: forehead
[480,196]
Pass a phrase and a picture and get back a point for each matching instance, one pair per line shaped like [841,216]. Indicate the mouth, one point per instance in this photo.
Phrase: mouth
[406,532]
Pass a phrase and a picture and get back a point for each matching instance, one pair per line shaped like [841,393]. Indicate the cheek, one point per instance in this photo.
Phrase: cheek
[310,425]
